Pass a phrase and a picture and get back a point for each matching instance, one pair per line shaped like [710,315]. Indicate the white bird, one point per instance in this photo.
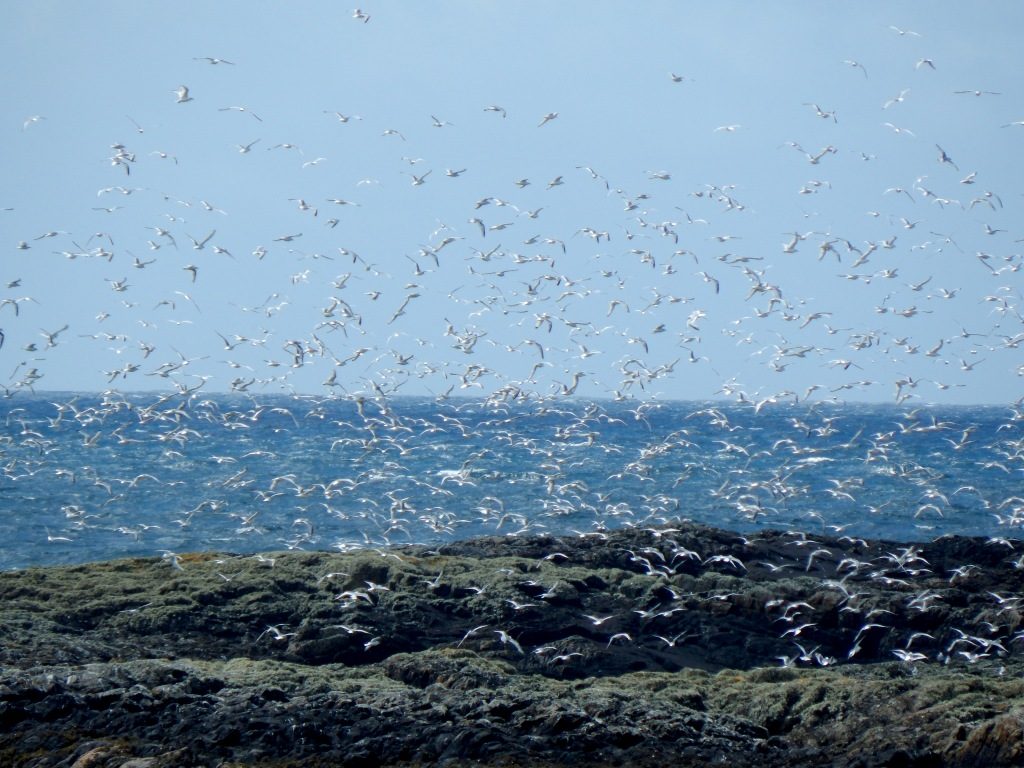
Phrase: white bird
[547,118]
[902,32]
[896,99]
[671,643]
[470,633]
[342,118]
[899,130]
[240,109]
[199,244]
[275,629]
[857,65]
[507,639]
[182,93]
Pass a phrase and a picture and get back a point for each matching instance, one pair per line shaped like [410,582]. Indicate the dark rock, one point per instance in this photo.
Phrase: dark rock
[635,647]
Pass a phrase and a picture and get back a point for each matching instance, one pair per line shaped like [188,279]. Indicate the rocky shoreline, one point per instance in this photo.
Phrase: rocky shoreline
[634,647]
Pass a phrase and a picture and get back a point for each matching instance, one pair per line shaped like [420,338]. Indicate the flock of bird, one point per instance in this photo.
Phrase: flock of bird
[634,287]
[93,476]
[672,288]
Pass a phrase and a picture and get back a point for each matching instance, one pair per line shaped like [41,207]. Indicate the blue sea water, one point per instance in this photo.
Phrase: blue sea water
[94,476]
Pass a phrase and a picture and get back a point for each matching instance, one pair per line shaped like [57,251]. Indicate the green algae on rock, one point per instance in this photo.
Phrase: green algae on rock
[630,648]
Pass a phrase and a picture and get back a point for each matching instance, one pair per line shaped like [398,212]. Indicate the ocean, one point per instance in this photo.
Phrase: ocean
[90,476]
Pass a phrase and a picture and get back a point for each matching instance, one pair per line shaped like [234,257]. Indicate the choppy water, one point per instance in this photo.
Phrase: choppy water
[89,477]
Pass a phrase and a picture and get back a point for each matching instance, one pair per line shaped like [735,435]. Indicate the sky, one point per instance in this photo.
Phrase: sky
[674,200]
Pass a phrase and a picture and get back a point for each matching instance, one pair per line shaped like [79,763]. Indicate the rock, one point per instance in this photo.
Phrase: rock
[638,647]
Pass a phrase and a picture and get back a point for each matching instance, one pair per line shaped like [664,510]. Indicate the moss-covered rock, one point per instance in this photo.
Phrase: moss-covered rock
[691,645]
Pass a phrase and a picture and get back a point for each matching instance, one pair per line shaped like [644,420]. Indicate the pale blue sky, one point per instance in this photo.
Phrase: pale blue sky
[105,73]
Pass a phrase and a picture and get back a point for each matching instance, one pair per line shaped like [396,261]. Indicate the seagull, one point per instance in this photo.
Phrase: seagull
[727,128]
[32,121]
[899,130]
[944,158]
[275,629]
[211,208]
[547,118]
[710,279]
[896,99]
[671,643]
[857,65]
[182,93]
[240,109]
[821,112]
[212,60]
[507,639]
[470,633]
[342,118]
[199,244]
[496,108]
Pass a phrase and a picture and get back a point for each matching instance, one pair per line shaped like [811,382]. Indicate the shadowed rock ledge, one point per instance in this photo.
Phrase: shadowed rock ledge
[636,647]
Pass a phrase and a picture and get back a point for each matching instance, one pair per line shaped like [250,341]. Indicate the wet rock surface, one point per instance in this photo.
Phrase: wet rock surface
[632,647]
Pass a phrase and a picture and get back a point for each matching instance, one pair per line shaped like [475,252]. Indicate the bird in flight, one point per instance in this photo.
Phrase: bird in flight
[240,109]
[200,244]
[857,65]
[341,118]
[182,93]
